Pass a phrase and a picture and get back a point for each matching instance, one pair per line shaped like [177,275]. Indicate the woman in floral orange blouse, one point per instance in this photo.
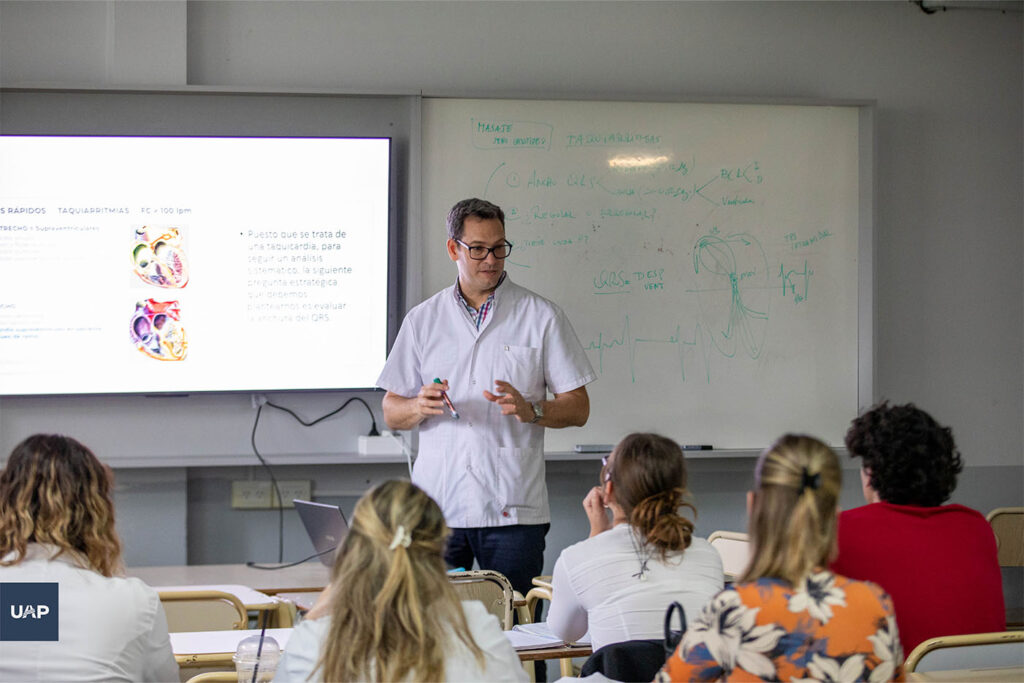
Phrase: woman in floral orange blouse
[789,618]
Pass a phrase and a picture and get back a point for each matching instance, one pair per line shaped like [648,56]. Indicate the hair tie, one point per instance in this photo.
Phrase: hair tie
[810,481]
[402,538]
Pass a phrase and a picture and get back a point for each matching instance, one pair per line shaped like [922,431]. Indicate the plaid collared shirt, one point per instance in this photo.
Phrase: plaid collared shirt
[478,317]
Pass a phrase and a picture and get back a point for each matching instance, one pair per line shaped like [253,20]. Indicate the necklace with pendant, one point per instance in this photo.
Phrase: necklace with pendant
[640,548]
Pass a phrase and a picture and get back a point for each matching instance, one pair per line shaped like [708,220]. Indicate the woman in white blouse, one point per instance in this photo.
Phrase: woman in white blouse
[618,582]
[57,529]
[390,613]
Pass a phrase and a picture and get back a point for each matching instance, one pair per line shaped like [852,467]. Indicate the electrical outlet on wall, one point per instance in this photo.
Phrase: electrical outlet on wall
[301,489]
[250,495]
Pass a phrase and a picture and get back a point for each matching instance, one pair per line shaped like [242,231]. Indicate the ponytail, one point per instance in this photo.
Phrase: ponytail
[793,515]
[393,606]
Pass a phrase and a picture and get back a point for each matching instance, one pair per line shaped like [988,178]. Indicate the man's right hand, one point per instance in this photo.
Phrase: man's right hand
[405,412]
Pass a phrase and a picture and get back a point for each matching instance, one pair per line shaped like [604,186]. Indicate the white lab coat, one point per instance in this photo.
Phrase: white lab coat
[485,469]
[109,628]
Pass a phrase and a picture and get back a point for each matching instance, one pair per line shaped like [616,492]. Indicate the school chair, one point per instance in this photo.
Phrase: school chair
[489,587]
[1008,526]
[1000,650]
[203,610]
[734,547]
[215,677]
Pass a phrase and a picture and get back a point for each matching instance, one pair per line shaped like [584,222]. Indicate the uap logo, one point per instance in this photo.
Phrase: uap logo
[28,611]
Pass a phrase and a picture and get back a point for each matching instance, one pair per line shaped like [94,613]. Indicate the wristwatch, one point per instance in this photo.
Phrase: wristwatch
[538,412]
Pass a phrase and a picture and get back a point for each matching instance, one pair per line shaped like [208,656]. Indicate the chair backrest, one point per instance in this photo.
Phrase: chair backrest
[203,610]
[632,660]
[734,547]
[1002,649]
[215,677]
[489,587]
[1008,526]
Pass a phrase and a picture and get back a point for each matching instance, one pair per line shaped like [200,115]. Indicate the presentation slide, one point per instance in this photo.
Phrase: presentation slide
[187,264]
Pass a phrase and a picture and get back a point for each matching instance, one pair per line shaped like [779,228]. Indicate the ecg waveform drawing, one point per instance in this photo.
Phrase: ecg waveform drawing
[631,345]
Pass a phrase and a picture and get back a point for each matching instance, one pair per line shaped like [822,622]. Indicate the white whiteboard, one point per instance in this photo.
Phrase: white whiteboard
[709,256]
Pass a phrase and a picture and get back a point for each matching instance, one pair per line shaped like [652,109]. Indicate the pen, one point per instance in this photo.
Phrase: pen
[698,447]
[447,401]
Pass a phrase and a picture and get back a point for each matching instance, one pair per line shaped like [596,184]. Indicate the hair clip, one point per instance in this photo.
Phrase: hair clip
[810,481]
[402,538]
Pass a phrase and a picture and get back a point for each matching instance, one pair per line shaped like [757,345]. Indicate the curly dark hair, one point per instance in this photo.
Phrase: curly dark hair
[911,459]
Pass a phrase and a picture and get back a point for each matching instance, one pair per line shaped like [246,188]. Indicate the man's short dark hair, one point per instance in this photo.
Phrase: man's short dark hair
[478,208]
[912,459]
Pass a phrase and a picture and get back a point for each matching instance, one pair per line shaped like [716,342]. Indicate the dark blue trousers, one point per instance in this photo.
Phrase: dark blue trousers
[516,551]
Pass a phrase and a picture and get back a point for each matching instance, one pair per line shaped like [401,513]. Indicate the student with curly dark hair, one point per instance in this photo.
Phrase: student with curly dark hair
[619,581]
[938,562]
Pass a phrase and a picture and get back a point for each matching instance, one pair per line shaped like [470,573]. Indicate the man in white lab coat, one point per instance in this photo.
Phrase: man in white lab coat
[498,350]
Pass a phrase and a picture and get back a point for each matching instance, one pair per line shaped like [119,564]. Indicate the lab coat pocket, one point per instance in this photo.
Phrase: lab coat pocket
[523,368]
[520,477]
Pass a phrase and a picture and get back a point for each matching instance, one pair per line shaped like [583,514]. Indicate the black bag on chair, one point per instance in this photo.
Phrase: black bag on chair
[637,660]
[672,638]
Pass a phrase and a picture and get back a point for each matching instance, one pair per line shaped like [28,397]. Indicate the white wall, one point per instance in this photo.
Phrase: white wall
[949,278]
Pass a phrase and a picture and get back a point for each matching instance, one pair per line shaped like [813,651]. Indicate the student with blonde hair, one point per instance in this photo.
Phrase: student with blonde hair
[619,581]
[57,528]
[790,618]
[391,613]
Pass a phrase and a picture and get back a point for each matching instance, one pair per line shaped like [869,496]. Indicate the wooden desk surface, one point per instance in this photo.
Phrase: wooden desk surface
[560,652]
[306,576]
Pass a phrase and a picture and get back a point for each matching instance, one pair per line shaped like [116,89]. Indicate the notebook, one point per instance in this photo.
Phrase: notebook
[326,526]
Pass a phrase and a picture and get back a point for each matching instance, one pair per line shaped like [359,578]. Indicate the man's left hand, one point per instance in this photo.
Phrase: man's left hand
[510,401]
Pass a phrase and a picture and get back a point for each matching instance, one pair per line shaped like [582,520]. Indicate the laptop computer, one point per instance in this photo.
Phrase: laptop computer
[326,526]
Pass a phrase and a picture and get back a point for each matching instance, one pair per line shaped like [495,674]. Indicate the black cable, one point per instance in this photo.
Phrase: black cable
[290,564]
[373,420]
[273,479]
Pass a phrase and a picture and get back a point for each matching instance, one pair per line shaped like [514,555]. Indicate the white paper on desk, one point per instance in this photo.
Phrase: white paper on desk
[541,634]
[220,642]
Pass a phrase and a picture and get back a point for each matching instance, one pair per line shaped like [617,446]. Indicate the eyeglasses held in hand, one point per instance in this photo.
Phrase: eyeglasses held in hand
[480,253]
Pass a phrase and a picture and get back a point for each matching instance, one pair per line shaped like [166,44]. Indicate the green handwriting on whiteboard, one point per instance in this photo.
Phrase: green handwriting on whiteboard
[796,243]
[725,187]
[609,138]
[508,134]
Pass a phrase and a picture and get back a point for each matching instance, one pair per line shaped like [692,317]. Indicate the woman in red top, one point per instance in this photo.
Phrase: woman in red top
[938,562]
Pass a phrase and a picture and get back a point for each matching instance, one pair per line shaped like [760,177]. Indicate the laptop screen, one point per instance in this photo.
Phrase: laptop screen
[326,526]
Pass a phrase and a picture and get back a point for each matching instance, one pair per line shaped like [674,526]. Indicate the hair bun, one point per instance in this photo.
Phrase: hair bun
[657,518]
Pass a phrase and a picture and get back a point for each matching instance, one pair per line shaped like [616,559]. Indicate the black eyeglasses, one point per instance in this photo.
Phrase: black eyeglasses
[480,253]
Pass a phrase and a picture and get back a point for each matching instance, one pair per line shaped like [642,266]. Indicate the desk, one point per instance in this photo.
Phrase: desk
[303,600]
[215,648]
[193,649]
[560,652]
[1009,673]
[303,577]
